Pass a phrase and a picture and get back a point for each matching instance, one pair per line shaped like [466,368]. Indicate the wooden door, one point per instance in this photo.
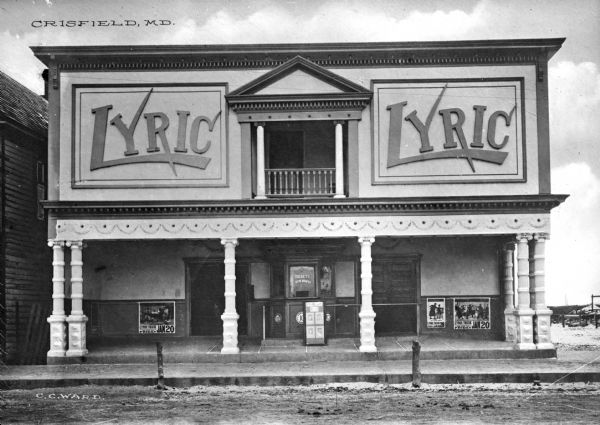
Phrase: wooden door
[395,295]
[207,297]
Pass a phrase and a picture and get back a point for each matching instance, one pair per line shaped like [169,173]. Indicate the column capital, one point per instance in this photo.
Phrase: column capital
[54,242]
[341,122]
[259,124]
[510,246]
[541,236]
[369,240]
[76,244]
[229,241]
[524,237]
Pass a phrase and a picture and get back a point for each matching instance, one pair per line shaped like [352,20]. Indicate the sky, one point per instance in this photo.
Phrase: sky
[573,252]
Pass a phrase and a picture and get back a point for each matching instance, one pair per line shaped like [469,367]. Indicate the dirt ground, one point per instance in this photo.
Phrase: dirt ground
[335,403]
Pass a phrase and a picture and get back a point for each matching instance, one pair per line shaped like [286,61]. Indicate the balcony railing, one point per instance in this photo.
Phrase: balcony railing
[300,182]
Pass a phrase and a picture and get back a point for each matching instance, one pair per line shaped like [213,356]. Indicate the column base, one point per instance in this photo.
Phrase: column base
[541,329]
[339,196]
[367,332]
[524,325]
[58,335]
[77,336]
[510,325]
[367,349]
[525,346]
[230,333]
[260,197]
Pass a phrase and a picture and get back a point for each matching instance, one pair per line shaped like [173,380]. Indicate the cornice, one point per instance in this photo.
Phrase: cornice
[363,206]
[258,56]
[288,103]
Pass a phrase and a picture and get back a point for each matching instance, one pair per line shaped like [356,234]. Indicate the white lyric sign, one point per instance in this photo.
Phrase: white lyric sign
[149,136]
[455,131]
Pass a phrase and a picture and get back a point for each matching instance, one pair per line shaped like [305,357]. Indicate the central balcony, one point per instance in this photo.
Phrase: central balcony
[300,159]
[300,182]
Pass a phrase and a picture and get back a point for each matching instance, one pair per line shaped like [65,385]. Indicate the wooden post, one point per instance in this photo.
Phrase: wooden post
[230,316]
[260,160]
[416,368]
[159,361]
[367,314]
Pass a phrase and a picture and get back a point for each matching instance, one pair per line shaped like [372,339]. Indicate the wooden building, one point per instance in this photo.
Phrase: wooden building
[25,285]
[221,189]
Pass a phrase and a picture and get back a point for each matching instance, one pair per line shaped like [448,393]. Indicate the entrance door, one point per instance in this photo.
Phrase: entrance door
[395,296]
[207,297]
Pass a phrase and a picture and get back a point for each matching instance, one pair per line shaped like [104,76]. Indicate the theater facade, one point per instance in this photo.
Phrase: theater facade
[299,191]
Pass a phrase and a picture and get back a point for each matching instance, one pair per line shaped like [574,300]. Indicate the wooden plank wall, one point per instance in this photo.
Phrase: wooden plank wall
[26,257]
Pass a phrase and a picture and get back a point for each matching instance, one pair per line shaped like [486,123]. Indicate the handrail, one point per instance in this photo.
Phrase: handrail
[290,182]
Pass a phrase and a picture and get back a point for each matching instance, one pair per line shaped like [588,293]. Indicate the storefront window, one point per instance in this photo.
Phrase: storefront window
[302,281]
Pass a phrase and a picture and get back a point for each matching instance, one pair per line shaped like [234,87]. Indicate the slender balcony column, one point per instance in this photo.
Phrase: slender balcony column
[541,322]
[367,315]
[76,320]
[339,160]
[260,160]
[230,316]
[523,312]
[58,333]
[510,325]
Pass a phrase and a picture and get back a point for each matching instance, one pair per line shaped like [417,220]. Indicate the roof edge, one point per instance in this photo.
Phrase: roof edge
[48,53]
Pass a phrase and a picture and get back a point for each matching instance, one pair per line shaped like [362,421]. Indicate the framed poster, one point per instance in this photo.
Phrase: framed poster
[157,317]
[301,281]
[472,313]
[436,312]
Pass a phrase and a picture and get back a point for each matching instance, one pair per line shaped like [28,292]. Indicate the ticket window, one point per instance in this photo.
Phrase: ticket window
[302,281]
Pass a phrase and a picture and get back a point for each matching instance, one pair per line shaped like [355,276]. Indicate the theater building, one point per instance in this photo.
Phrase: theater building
[397,188]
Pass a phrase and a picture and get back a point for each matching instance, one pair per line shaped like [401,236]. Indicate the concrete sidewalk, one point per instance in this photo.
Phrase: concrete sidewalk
[569,366]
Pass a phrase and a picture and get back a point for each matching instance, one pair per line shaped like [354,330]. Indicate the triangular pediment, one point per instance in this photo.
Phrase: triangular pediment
[299,76]
[299,82]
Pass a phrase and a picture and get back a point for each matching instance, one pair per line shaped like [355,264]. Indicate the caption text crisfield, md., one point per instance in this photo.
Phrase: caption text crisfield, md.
[39,23]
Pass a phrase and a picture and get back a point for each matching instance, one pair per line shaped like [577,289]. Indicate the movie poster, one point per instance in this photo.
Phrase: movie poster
[157,317]
[471,313]
[436,312]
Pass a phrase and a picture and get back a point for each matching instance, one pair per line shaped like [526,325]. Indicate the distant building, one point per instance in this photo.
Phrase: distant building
[218,189]
[25,285]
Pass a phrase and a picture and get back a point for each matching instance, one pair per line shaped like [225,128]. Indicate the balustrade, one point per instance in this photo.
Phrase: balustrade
[300,182]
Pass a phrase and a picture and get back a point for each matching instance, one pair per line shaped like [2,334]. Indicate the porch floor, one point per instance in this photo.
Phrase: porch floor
[208,350]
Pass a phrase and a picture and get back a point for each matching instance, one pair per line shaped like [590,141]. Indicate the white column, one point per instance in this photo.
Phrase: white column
[230,316]
[367,315]
[542,318]
[510,324]
[523,313]
[58,334]
[339,160]
[76,320]
[260,160]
